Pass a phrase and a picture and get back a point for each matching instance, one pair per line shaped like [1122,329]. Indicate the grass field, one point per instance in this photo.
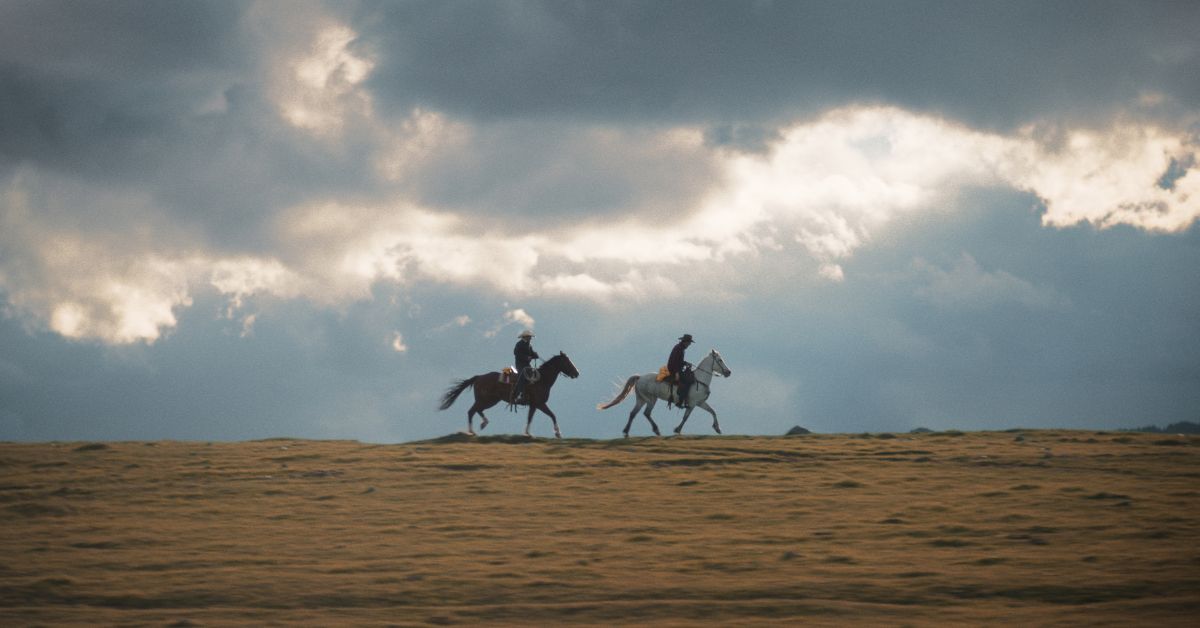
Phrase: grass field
[1023,527]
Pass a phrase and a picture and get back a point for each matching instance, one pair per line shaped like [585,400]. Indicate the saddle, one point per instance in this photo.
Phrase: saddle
[685,376]
[508,375]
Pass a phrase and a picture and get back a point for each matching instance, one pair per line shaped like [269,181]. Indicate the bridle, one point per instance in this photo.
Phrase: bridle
[712,370]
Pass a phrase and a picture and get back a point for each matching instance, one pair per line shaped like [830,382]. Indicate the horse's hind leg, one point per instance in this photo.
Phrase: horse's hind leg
[471,417]
[650,408]
[477,408]
[637,405]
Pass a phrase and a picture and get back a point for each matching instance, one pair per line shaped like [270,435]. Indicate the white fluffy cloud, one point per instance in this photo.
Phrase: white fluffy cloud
[398,344]
[1108,177]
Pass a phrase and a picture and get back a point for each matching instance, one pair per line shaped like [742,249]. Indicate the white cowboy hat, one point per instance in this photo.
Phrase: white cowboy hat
[526,334]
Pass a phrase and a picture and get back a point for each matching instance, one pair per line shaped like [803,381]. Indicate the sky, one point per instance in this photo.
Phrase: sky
[242,220]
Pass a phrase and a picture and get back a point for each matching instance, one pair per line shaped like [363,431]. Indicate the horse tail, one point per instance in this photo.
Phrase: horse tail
[621,397]
[454,391]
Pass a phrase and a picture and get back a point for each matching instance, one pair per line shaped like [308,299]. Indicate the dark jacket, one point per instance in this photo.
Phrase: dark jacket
[523,353]
[675,362]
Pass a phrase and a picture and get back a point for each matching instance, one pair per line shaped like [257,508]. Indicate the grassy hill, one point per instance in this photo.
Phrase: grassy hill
[1033,527]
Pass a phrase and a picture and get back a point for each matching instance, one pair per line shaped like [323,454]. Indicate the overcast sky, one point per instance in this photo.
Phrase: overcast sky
[235,220]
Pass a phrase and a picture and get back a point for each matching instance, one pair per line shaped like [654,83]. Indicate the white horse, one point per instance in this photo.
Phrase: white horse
[649,391]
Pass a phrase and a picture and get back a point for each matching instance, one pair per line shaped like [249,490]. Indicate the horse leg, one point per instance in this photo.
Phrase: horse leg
[553,419]
[637,405]
[529,419]
[471,417]
[716,424]
[679,428]
[478,407]
[649,409]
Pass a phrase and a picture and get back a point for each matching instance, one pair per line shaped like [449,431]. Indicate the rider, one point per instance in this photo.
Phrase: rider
[523,354]
[676,365]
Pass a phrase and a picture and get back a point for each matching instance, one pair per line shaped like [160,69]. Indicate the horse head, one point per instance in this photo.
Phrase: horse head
[719,364]
[563,364]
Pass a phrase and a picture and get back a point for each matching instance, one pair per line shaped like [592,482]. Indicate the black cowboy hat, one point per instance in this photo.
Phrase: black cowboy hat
[686,338]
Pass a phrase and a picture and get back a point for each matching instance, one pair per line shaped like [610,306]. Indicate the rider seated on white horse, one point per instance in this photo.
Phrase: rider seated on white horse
[680,369]
[523,354]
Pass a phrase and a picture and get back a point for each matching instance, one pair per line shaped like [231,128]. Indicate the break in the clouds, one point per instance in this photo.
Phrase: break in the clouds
[241,162]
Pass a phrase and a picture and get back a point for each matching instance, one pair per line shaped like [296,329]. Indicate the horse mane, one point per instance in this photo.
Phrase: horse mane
[555,359]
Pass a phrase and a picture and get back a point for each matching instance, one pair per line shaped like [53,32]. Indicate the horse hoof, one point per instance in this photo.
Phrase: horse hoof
[716,429]
[483,426]
[558,435]
[624,434]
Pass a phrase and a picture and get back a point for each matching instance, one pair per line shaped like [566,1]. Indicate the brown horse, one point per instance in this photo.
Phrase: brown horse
[489,391]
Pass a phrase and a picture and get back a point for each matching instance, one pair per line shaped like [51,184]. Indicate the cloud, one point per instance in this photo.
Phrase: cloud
[461,320]
[520,317]
[827,186]
[323,86]
[515,316]
[1111,176]
[995,66]
[966,285]
[324,158]
[397,343]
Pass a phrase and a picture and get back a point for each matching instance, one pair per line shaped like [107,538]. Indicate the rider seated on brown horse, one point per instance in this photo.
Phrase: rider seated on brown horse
[680,369]
[523,355]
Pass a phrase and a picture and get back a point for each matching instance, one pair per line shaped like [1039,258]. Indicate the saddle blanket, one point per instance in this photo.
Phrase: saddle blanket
[663,374]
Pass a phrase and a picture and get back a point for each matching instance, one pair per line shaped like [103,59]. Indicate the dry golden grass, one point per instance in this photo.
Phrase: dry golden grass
[1035,527]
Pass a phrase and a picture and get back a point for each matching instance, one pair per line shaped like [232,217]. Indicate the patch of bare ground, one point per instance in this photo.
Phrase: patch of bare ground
[1036,527]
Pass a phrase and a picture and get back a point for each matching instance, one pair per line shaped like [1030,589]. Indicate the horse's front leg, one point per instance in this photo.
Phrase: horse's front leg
[686,413]
[716,424]
[553,419]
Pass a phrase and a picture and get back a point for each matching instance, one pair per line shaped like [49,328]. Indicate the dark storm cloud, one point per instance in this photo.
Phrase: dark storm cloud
[170,99]
[85,77]
[990,64]
[531,174]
